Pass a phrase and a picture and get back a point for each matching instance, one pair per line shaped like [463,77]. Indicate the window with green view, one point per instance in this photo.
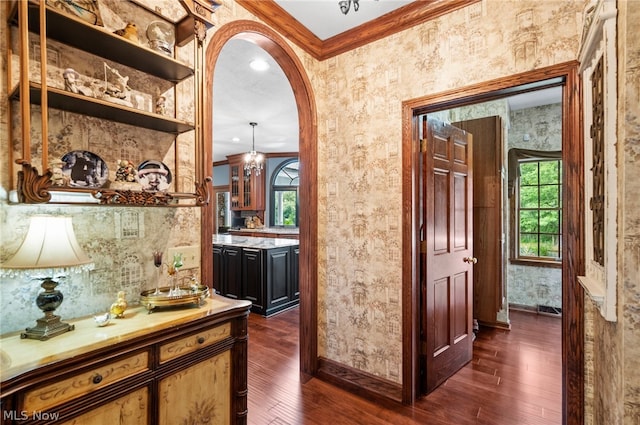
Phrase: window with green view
[284,194]
[539,211]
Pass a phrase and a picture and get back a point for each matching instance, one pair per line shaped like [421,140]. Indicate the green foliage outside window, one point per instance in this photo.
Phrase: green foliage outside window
[540,209]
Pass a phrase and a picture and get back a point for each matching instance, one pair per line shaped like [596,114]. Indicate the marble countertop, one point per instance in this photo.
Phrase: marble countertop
[279,230]
[18,356]
[253,242]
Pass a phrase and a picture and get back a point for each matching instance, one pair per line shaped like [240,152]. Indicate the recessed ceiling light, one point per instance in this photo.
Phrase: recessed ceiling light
[259,65]
[235,139]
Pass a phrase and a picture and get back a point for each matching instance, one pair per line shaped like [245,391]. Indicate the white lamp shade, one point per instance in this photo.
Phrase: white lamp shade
[50,244]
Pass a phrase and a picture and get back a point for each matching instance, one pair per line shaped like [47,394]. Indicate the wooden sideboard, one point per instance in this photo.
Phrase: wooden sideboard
[174,365]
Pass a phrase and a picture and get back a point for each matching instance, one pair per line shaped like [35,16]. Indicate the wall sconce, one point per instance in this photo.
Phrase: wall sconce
[49,251]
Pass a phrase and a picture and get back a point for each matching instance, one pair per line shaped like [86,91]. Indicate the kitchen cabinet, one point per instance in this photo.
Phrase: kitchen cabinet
[227,271]
[169,367]
[247,191]
[121,82]
[268,272]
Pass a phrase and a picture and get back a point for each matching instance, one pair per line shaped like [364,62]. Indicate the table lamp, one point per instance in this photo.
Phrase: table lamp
[49,251]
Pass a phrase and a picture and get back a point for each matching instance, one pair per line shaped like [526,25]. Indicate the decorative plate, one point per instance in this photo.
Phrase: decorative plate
[84,169]
[154,176]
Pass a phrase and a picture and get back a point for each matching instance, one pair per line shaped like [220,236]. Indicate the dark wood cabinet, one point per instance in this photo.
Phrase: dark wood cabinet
[295,272]
[247,191]
[278,279]
[266,277]
[253,270]
[227,271]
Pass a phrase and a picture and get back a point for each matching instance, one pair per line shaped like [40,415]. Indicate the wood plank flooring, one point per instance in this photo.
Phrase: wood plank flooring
[513,379]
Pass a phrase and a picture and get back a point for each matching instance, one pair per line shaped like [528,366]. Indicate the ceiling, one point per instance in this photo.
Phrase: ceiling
[325,20]
[242,95]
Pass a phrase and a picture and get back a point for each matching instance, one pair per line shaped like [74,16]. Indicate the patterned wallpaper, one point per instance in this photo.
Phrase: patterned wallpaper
[359,153]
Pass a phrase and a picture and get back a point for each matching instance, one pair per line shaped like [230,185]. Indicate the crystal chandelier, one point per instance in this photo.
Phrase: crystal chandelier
[253,162]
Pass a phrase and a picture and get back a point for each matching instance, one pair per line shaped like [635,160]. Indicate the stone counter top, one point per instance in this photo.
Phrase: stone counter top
[253,242]
[277,230]
[18,356]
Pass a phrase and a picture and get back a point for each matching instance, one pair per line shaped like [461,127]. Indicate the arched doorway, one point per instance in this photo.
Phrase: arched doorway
[278,48]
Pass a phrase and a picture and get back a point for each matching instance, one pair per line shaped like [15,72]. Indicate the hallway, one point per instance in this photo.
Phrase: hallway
[513,379]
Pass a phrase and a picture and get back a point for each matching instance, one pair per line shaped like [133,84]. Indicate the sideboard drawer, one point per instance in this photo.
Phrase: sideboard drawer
[47,396]
[194,342]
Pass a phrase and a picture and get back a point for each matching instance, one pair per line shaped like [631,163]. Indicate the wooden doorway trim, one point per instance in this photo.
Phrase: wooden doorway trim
[279,49]
[572,228]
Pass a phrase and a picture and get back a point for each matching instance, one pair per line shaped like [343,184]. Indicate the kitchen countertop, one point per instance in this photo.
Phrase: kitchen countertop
[278,230]
[253,242]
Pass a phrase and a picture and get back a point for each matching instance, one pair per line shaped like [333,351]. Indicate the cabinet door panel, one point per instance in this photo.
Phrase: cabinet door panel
[295,278]
[233,270]
[219,269]
[200,394]
[278,276]
[252,278]
[132,409]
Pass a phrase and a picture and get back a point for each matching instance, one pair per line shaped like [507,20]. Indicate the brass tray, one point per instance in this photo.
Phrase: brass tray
[190,295]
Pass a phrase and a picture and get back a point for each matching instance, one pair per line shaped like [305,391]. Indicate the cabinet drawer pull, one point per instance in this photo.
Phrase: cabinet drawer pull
[97,379]
[200,339]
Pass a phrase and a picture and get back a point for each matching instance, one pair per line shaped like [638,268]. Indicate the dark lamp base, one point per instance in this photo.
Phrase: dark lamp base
[47,327]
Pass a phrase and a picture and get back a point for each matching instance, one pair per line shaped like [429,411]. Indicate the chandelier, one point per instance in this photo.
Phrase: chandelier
[346,4]
[253,162]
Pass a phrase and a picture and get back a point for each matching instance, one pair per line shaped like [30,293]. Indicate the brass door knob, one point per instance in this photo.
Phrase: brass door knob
[470,260]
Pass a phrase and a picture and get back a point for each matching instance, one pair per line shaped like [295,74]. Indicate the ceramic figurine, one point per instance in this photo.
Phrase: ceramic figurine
[160,105]
[71,80]
[117,308]
[102,319]
[130,32]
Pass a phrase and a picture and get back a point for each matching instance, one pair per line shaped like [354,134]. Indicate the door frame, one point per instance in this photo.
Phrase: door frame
[283,54]
[572,225]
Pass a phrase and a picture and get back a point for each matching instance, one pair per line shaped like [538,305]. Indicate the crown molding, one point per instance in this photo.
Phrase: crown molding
[412,14]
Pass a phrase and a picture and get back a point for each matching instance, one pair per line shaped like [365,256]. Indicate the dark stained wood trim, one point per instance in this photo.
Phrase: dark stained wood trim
[395,21]
[573,226]
[358,382]
[573,252]
[279,49]
[279,19]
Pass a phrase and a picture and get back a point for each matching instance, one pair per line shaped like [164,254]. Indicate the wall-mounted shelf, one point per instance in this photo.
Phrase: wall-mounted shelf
[34,183]
[100,42]
[80,104]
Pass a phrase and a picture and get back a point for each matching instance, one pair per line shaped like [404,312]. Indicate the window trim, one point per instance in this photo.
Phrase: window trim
[272,190]
[515,157]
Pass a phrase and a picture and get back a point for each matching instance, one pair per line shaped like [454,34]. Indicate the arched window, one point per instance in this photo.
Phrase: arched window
[284,194]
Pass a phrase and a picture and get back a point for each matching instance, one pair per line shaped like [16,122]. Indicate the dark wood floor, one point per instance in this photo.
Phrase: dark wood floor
[514,379]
